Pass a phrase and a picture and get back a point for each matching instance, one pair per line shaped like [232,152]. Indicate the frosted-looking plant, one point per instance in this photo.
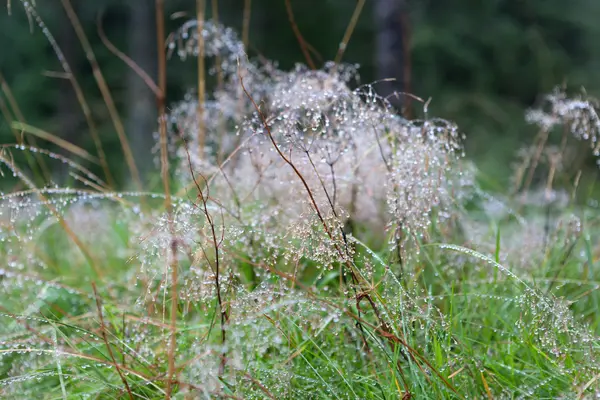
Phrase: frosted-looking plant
[361,161]
[579,114]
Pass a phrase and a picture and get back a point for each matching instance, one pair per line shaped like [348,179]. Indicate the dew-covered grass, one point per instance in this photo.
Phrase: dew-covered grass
[456,323]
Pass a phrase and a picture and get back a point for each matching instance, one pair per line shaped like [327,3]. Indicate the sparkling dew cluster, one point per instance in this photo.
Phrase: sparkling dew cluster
[286,150]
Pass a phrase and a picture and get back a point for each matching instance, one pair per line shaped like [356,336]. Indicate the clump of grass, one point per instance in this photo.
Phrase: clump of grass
[320,246]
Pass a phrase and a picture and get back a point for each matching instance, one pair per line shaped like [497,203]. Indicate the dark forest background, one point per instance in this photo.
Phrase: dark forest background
[482,63]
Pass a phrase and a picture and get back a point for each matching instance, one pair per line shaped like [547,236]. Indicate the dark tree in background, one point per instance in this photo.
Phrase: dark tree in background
[69,119]
[393,52]
[141,104]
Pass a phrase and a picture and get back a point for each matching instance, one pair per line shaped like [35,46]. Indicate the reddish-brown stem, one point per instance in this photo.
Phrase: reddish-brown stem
[105,338]
[220,82]
[126,59]
[216,244]
[301,41]
[246,23]
[12,102]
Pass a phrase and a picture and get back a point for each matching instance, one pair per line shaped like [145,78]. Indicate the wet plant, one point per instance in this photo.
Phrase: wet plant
[313,244]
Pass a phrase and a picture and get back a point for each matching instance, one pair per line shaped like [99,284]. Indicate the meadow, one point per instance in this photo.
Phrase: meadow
[309,242]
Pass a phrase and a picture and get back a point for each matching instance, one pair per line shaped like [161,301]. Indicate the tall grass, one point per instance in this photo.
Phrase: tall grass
[310,243]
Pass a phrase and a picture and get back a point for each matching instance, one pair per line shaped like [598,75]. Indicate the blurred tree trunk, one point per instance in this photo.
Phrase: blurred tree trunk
[141,104]
[69,116]
[392,51]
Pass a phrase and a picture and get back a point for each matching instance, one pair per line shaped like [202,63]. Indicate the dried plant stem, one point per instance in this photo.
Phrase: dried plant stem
[64,144]
[550,179]
[9,119]
[105,91]
[126,59]
[329,199]
[11,99]
[349,30]
[200,9]
[216,266]
[87,112]
[301,41]
[18,137]
[246,23]
[21,118]
[543,138]
[265,124]
[84,250]
[220,82]
[107,344]
[164,161]
[260,386]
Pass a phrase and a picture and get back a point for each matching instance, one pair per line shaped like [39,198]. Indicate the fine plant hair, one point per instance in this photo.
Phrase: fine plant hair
[311,243]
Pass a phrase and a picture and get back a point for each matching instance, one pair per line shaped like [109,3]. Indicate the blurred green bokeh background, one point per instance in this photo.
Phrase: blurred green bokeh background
[482,63]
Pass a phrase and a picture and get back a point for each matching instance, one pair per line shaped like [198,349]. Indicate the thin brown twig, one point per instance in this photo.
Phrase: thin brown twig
[11,99]
[9,119]
[301,41]
[105,338]
[349,30]
[126,59]
[216,244]
[284,157]
[246,23]
[260,386]
[220,82]
[12,102]
[543,138]
[85,107]
[105,91]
